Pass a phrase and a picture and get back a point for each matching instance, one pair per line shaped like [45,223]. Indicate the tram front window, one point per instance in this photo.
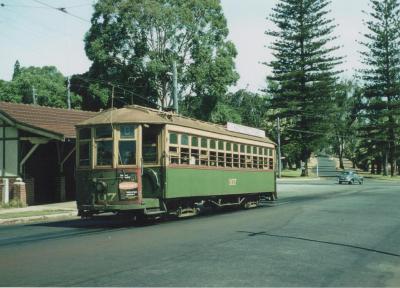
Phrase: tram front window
[104,146]
[150,144]
[104,153]
[127,145]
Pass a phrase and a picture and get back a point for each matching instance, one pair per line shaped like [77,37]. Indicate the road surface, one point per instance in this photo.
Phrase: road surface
[319,233]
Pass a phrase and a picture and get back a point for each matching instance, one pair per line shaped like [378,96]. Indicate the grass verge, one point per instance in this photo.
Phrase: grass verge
[380,177]
[31,213]
[296,174]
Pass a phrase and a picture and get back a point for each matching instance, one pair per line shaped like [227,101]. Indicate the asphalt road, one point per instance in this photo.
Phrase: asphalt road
[326,167]
[317,234]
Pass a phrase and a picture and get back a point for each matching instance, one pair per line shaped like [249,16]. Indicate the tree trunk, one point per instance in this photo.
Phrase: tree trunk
[378,166]
[373,171]
[304,171]
[385,163]
[341,164]
[341,152]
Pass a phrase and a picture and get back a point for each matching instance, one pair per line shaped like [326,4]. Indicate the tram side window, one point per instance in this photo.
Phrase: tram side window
[194,151]
[84,146]
[127,145]
[173,148]
[271,160]
[185,154]
[213,152]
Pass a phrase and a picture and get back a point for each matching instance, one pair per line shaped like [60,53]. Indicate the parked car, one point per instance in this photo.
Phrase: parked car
[350,177]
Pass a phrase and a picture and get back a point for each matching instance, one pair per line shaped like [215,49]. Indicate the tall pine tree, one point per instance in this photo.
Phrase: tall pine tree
[381,76]
[304,71]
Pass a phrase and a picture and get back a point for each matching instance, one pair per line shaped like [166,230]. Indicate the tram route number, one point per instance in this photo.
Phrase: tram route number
[232,181]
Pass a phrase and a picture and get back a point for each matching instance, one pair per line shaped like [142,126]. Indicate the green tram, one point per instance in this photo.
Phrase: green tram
[147,162]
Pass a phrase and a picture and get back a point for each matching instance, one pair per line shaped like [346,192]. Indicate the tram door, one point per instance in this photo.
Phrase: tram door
[151,139]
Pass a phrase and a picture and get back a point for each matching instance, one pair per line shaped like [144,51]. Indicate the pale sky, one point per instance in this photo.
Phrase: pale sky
[39,36]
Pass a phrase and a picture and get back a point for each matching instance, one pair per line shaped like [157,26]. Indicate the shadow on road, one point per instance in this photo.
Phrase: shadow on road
[252,234]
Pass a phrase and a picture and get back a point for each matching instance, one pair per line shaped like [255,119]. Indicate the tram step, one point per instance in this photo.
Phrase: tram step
[152,212]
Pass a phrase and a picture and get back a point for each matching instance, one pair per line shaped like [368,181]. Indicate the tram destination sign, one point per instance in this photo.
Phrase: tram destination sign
[233,127]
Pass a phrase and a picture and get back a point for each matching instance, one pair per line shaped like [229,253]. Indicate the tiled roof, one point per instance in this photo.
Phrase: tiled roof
[54,120]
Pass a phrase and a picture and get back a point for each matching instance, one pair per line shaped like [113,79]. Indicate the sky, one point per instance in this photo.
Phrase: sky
[37,35]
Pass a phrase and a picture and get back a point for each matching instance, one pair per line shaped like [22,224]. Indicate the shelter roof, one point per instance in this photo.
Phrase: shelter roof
[139,114]
[55,123]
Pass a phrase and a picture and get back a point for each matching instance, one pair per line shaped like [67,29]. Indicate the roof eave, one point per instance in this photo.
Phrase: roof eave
[30,128]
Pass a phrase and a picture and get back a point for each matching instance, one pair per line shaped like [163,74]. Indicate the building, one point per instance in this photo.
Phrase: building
[38,144]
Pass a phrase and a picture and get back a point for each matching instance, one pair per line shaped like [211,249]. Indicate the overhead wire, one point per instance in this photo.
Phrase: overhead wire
[62,10]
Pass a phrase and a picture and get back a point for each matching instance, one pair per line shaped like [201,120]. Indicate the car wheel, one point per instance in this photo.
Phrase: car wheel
[361,182]
[351,182]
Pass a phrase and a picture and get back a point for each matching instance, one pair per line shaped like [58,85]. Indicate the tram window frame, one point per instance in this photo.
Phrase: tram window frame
[127,138]
[212,153]
[101,139]
[173,148]
[236,157]
[228,155]
[184,149]
[85,140]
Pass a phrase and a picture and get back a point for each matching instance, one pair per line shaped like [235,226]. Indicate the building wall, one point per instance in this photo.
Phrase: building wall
[8,151]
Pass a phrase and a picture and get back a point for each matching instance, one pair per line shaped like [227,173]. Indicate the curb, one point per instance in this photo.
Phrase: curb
[297,179]
[27,219]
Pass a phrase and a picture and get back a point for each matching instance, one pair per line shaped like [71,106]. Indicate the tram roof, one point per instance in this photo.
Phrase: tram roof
[142,115]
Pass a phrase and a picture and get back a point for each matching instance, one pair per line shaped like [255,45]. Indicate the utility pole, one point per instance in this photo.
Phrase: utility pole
[112,97]
[34,95]
[175,87]
[69,93]
[279,149]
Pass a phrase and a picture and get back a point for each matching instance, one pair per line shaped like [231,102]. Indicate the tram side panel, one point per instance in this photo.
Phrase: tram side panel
[187,182]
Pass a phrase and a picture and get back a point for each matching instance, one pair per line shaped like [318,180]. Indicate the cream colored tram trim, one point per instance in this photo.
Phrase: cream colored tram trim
[202,133]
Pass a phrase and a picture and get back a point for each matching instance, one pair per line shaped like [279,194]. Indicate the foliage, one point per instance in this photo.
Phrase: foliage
[133,44]
[303,73]
[45,84]
[345,141]
[17,69]
[13,203]
[381,76]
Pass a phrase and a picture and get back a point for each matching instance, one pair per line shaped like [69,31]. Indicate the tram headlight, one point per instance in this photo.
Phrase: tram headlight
[101,186]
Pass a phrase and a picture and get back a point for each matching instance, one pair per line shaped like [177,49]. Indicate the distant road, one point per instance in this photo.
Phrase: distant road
[326,167]
[318,234]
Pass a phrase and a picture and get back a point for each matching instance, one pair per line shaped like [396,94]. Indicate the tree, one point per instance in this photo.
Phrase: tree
[7,92]
[345,121]
[133,44]
[17,69]
[382,79]
[45,84]
[303,72]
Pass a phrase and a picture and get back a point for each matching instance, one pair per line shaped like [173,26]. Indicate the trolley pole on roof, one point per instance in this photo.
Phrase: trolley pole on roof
[279,149]
[175,87]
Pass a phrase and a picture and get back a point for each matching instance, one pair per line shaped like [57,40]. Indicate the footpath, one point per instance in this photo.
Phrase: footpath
[38,213]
